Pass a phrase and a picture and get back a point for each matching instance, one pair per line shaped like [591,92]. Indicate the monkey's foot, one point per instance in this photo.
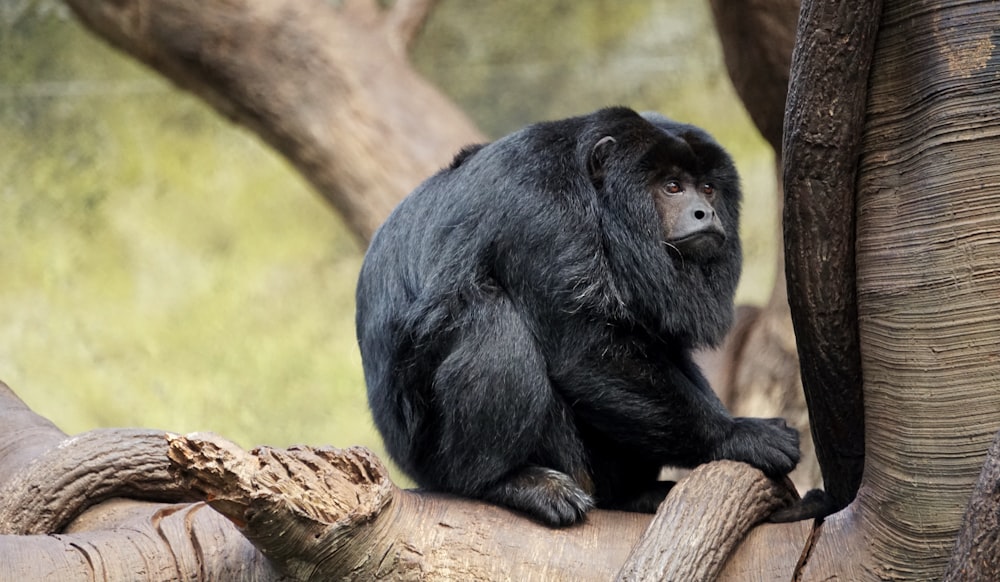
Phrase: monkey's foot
[547,495]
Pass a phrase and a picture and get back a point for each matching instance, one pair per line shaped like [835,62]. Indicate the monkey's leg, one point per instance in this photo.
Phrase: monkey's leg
[552,497]
[502,433]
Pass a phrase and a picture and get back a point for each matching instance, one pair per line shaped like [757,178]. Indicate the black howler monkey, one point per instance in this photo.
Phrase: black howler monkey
[526,318]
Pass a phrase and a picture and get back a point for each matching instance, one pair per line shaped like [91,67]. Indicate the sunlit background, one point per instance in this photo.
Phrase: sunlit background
[163,268]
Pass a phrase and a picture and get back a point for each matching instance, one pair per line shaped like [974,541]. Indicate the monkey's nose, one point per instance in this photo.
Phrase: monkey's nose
[702,212]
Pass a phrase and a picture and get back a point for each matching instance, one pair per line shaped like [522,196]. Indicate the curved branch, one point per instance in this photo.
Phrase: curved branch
[757,39]
[703,519]
[325,89]
[83,471]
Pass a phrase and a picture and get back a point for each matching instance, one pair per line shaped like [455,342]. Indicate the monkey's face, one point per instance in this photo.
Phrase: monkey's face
[691,226]
[687,176]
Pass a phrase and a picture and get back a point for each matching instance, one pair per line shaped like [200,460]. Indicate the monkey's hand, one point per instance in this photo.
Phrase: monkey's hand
[766,443]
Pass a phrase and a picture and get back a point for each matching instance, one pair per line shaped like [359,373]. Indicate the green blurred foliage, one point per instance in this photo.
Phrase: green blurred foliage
[162,268]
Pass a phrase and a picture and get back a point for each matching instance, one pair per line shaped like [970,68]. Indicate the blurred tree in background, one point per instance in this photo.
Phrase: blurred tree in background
[165,269]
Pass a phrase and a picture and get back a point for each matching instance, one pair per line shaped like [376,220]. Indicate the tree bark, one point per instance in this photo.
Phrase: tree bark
[698,527]
[118,539]
[921,279]
[45,495]
[322,513]
[977,551]
[823,124]
[928,210]
[330,89]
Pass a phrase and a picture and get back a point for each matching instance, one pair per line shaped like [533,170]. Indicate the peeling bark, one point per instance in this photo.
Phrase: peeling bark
[911,305]
[115,540]
[327,514]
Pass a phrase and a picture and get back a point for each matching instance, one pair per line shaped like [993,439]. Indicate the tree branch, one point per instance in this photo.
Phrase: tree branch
[320,87]
[823,126]
[705,517]
[74,475]
[324,513]
[757,39]
[405,21]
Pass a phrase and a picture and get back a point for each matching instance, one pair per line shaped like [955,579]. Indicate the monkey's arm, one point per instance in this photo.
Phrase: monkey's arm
[679,420]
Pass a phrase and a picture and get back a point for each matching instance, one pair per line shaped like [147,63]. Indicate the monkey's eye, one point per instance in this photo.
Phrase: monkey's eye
[673,187]
[707,189]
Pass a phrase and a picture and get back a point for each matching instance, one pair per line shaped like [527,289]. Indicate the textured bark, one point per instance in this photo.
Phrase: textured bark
[706,515]
[68,478]
[41,470]
[928,282]
[323,513]
[331,89]
[922,279]
[823,124]
[977,551]
[139,542]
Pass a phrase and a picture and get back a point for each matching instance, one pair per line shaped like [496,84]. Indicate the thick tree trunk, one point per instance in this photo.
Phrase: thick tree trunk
[342,103]
[928,214]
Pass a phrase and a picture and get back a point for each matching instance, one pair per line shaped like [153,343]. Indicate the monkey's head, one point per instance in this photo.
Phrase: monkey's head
[691,180]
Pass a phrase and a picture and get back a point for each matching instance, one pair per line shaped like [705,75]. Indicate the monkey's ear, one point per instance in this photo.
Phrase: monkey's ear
[597,160]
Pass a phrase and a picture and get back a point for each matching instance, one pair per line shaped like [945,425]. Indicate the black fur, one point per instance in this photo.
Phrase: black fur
[526,334]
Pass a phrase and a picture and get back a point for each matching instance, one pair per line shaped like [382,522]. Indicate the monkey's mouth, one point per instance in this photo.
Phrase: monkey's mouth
[703,244]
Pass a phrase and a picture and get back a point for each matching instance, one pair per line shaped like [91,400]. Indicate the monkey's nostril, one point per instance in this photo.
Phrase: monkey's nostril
[699,214]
